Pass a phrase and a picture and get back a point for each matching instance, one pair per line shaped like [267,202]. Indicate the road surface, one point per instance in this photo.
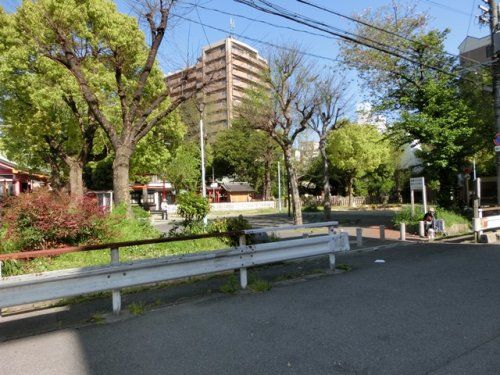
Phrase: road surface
[429,309]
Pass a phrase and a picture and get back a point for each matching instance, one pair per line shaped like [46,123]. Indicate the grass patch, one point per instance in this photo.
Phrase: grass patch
[83,298]
[97,318]
[231,286]
[343,267]
[259,286]
[137,308]
[103,257]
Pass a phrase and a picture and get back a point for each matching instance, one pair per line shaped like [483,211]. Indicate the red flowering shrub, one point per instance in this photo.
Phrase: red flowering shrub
[46,219]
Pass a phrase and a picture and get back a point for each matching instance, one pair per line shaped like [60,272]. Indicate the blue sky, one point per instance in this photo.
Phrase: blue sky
[185,39]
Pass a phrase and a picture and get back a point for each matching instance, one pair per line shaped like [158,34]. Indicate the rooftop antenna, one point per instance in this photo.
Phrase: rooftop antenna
[231,26]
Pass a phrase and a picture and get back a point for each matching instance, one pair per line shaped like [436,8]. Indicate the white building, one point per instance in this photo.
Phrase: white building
[365,116]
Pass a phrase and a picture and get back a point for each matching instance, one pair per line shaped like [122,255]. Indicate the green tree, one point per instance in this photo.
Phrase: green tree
[356,150]
[113,66]
[46,120]
[154,152]
[422,91]
[184,169]
[248,154]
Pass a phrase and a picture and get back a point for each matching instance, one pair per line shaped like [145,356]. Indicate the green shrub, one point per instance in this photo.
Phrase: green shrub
[231,224]
[450,218]
[192,208]
[310,204]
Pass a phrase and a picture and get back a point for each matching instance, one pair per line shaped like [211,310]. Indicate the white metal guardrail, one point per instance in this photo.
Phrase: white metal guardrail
[480,223]
[31,288]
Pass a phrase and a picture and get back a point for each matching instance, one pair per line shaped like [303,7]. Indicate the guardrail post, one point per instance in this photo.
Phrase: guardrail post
[243,270]
[402,235]
[331,232]
[115,293]
[359,237]
[382,232]
[421,228]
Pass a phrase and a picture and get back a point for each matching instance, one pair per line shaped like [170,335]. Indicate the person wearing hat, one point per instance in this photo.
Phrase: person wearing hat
[429,220]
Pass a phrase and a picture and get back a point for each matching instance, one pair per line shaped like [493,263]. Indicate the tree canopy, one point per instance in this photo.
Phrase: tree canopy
[356,150]
[422,92]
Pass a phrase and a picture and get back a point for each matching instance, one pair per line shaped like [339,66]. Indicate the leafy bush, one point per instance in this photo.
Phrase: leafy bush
[45,219]
[450,218]
[310,204]
[231,224]
[192,208]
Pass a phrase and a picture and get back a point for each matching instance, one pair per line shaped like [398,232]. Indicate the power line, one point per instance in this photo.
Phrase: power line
[258,41]
[263,22]
[203,27]
[447,7]
[470,22]
[283,12]
[318,25]
[364,23]
[353,19]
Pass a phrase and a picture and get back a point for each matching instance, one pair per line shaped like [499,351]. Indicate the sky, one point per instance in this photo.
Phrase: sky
[185,38]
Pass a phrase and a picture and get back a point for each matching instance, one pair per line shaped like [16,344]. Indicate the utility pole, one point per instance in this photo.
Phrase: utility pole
[492,12]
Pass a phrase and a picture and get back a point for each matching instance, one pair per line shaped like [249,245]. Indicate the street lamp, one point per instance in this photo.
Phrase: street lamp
[201,107]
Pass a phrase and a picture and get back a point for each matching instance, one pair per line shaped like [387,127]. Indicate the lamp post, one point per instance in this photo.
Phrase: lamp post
[279,187]
[202,147]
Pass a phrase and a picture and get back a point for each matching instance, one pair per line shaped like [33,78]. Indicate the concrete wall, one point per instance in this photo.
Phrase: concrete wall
[234,206]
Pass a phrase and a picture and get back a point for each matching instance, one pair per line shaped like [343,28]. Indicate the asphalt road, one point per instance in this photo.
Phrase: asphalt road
[430,309]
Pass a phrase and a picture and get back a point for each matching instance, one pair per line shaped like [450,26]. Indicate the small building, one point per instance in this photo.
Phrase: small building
[14,181]
[150,195]
[237,192]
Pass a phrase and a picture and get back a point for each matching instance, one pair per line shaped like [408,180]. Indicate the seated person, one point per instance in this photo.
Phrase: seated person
[429,220]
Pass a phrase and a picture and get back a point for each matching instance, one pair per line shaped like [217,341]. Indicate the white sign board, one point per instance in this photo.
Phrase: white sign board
[417,183]
[497,148]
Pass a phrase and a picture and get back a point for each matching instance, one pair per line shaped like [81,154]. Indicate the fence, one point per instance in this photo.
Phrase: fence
[483,220]
[31,288]
[338,200]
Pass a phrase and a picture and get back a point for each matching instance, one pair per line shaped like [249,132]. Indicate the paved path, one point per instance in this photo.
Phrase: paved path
[430,309]
[347,218]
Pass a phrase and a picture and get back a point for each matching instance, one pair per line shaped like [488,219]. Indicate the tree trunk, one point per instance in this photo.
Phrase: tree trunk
[327,203]
[294,187]
[75,177]
[351,201]
[121,187]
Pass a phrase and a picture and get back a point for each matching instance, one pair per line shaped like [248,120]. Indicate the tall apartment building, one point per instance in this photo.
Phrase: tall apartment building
[231,67]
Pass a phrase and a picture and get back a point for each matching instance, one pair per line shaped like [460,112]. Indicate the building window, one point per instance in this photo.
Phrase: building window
[151,198]
[136,197]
